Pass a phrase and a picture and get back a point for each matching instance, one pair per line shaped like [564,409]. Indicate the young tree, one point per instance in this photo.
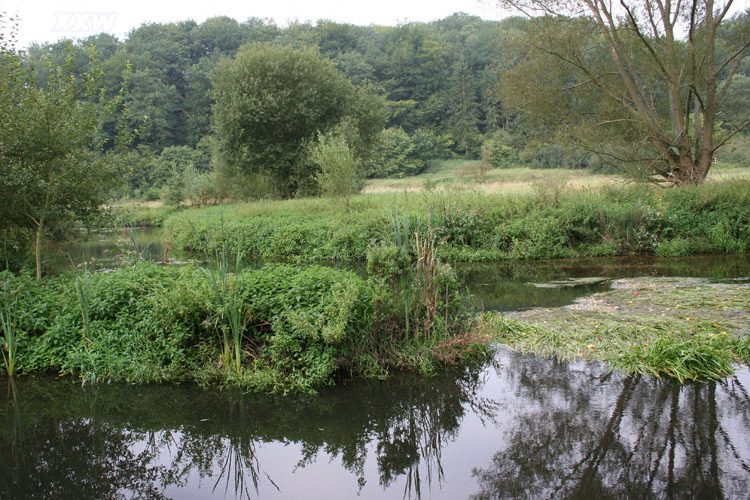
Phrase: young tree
[271,103]
[641,83]
[51,165]
[340,175]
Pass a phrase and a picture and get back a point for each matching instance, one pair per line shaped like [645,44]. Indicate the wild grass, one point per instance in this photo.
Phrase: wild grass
[233,314]
[552,220]
[457,175]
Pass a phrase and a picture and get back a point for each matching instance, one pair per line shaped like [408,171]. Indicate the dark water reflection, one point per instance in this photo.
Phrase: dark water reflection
[521,427]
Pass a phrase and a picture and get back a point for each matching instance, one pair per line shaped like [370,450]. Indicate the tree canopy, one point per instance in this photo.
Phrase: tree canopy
[51,164]
[271,104]
[642,83]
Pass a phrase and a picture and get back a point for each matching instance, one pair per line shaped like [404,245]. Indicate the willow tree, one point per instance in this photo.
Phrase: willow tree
[640,83]
[271,105]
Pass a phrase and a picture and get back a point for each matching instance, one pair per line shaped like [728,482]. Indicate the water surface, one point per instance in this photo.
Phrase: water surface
[517,427]
[498,286]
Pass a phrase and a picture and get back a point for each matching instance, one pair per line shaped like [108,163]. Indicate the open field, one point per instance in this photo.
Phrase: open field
[460,174]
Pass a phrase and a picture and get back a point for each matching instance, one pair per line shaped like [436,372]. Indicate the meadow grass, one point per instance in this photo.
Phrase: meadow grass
[457,175]
[552,219]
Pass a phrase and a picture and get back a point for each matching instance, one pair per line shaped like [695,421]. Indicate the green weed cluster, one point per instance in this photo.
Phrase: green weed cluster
[278,328]
[470,226]
[686,329]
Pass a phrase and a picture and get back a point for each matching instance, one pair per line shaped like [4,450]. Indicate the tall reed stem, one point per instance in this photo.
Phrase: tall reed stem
[9,325]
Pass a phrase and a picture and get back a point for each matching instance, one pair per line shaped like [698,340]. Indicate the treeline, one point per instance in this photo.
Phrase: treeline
[438,81]
[439,76]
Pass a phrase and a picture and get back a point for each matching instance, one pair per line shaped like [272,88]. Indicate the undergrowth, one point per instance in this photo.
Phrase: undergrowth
[279,328]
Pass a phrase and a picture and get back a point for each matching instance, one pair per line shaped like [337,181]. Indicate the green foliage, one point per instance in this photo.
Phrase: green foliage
[271,102]
[280,327]
[233,314]
[52,169]
[394,156]
[573,80]
[696,358]
[339,175]
[9,327]
[551,222]
[497,155]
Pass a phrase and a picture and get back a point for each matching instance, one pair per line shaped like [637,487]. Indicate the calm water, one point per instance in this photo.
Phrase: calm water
[510,286]
[499,286]
[520,427]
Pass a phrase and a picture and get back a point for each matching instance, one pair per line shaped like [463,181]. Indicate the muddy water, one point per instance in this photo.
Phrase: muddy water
[519,427]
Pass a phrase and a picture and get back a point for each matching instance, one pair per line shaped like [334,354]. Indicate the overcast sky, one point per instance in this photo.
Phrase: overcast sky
[50,20]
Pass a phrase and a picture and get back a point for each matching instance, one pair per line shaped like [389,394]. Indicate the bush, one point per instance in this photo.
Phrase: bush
[152,194]
[147,323]
[339,175]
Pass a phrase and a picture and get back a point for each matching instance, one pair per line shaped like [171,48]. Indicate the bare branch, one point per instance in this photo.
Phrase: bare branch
[730,135]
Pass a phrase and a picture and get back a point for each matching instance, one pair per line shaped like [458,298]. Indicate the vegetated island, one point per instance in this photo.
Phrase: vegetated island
[300,325]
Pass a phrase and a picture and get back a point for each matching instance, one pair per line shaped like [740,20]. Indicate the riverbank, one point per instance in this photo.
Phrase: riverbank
[471,226]
[691,329]
[274,329]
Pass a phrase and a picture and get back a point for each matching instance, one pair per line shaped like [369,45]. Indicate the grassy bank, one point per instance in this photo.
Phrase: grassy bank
[278,328]
[549,222]
[689,329]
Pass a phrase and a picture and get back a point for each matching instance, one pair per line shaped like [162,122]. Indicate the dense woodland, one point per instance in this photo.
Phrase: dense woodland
[439,80]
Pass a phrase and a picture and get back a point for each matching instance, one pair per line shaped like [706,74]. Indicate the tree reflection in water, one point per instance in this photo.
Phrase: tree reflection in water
[117,441]
[580,434]
[537,429]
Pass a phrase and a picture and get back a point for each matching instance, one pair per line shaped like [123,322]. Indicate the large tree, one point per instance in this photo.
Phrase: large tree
[642,83]
[52,168]
[271,104]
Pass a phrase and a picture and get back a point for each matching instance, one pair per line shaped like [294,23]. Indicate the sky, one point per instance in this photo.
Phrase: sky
[50,20]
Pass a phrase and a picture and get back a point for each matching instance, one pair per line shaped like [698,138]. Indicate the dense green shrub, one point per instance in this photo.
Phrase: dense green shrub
[397,155]
[301,328]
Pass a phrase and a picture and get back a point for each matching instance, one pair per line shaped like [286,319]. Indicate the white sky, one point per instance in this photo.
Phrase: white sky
[50,20]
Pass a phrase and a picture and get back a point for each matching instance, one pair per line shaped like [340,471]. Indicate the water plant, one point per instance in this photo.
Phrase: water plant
[83,294]
[9,326]
[233,314]
[686,329]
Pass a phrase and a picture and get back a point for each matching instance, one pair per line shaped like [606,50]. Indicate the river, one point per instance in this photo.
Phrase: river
[514,427]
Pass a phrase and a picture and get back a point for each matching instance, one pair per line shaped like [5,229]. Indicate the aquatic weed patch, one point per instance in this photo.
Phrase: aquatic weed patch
[688,329]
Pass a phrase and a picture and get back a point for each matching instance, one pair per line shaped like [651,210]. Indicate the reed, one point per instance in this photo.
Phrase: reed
[9,326]
[233,314]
